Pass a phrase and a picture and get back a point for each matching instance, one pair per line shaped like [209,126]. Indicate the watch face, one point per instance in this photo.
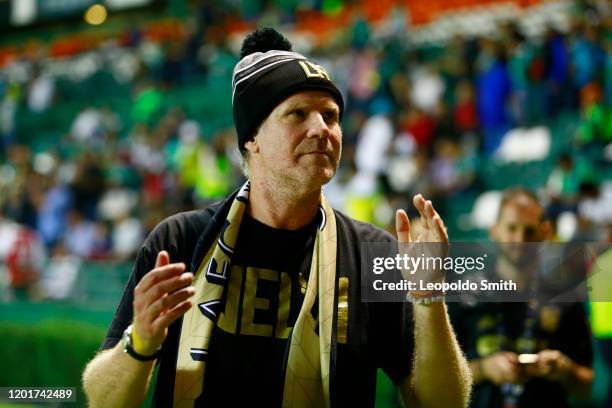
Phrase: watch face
[127,337]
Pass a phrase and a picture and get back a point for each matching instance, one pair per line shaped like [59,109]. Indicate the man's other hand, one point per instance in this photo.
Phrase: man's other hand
[160,298]
[552,365]
[432,226]
[502,367]
[431,242]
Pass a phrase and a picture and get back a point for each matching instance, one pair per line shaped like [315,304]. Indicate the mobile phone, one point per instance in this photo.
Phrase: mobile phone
[527,358]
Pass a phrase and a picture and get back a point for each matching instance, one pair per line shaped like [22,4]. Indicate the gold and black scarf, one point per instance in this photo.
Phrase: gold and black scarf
[307,366]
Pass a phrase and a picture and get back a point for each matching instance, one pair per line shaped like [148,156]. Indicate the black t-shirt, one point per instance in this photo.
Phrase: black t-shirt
[253,362]
[486,328]
[248,347]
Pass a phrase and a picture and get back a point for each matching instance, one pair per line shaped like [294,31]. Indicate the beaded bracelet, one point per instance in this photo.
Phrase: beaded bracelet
[434,297]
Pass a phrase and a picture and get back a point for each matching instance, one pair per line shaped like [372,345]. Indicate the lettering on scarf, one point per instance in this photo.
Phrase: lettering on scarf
[258,303]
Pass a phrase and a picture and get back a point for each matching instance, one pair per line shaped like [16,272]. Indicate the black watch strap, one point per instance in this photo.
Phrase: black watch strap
[129,349]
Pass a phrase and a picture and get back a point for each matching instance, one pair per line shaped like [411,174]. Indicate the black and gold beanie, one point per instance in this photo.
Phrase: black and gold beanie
[267,73]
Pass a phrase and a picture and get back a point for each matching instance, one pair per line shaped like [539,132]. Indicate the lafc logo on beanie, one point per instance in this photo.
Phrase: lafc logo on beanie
[313,70]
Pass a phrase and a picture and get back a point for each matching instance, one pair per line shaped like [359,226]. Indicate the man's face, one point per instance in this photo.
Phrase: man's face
[520,220]
[299,142]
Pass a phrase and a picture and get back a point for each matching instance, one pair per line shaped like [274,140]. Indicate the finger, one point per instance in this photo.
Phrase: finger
[163,258]
[159,274]
[169,317]
[402,226]
[545,356]
[419,203]
[430,213]
[440,228]
[164,287]
[162,305]
[429,210]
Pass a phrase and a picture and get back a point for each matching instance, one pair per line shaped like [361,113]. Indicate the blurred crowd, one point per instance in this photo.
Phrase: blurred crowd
[418,119]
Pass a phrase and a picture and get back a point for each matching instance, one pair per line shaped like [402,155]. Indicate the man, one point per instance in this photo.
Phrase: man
[279,319]
[495,334]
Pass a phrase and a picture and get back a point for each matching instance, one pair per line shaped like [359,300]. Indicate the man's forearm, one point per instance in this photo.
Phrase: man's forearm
[476,370]
[441,375]
[114,379]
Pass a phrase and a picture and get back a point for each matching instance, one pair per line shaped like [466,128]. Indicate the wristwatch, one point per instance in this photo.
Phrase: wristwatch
[129,348]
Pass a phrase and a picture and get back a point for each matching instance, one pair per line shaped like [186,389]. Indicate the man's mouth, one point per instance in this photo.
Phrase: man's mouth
[319,152]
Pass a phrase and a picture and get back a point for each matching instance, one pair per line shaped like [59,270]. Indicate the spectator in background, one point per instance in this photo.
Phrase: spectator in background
[87,127]
[127,235]
[586,55]
[116,208]
[558,79]
[445,177]
[364,79]
[596,126]
[60,273]
[83,237]
[465,115]
[22,257]
[52,214]
[41,91]
[148,101]
[419,126]
[375,138]
[88,184]
[9,98]
[594,207]
[520,55]
[427,88]
[19,205]
[493,335]
[493,90]
[562,186]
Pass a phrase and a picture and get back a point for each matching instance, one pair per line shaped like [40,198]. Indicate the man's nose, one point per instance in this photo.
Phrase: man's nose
[317,127]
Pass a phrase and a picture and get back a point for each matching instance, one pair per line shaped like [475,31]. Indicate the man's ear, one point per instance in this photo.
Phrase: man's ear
[252,146]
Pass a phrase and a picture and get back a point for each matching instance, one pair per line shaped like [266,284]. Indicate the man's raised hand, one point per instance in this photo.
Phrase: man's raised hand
[432,232]
[160,298]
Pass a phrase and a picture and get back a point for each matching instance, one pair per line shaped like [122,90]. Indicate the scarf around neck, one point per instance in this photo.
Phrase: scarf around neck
[307,363]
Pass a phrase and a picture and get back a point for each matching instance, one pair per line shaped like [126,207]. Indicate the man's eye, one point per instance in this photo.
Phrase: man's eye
[330,116]
[298,113]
